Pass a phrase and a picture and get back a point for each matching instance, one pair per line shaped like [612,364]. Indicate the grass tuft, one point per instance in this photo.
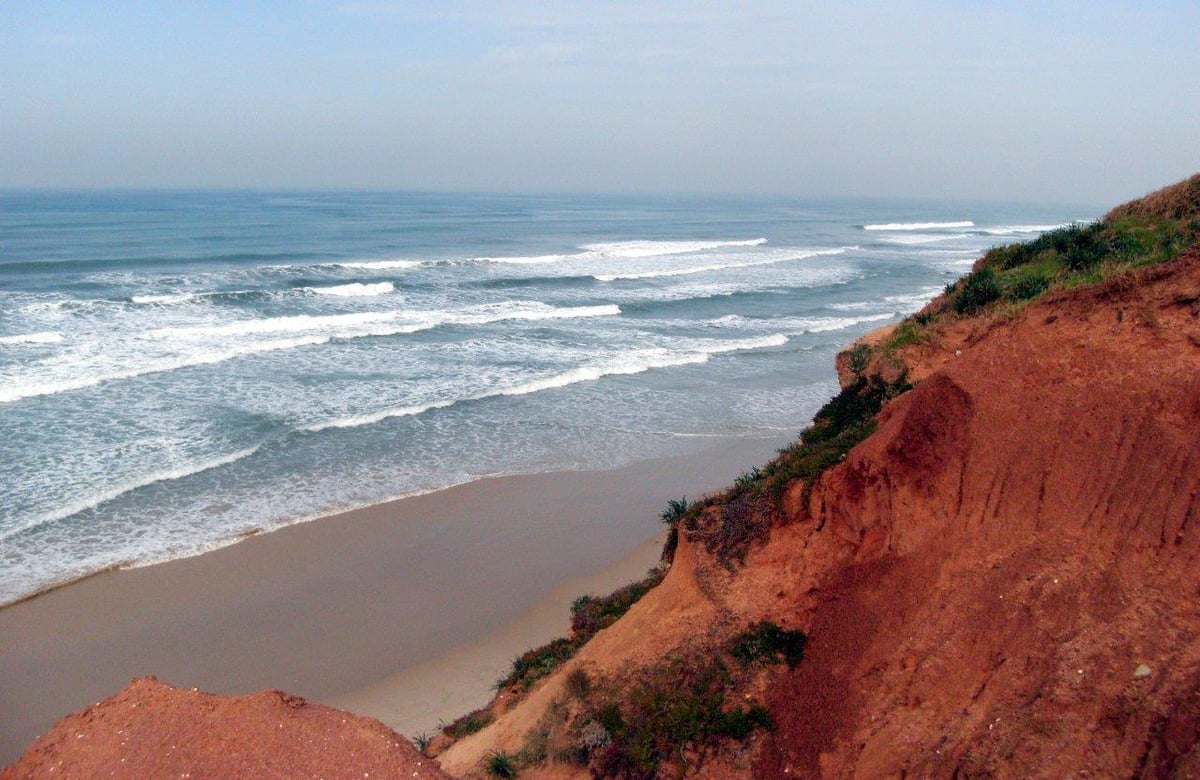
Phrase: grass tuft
[500,764]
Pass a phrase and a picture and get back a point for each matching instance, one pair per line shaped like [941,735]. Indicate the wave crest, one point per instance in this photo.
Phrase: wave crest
[193,345]
[698,269]
[966,223]
[635,362]
[625,250]
[45,337]
[105,496]
[636,249]
[379,265]
[354,290]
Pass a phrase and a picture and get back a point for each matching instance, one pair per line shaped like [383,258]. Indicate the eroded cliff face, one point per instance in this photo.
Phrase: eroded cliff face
[1001,581]
[1015,592]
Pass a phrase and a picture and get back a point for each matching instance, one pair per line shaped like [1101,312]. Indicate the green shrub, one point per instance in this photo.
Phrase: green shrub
[765,641]
[1088,247]
[676,510]
[744,518]
[533,665]
[590,614]
[978,290]
[675,709]
[1028,286]
[923,318]
[853,406]
[907,332]
[860,354]
[578,683]
[738,724]
[748,478]
[744,512]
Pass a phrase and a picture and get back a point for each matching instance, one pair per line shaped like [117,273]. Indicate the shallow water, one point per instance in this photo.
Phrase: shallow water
[177,369]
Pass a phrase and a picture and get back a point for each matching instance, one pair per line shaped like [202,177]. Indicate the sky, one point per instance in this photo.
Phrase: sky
[1090,102]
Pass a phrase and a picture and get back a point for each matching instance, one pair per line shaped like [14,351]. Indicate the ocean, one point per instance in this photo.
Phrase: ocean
[180,369]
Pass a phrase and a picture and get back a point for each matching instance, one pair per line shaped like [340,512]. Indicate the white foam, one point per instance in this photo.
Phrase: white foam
[698,269]
[624,250]
[385,323]
[166,298]
[526,260]
[369,419]
[825,324]
[635,249]
[903,301]
[488,313]
[1012,230]
[380,265]
[299,323]
[23,388]
[643,360]
[920,225]
[45,337]
[354,290]
[799,325]
[635,362]
[917,238]
[194,345]
[105,496]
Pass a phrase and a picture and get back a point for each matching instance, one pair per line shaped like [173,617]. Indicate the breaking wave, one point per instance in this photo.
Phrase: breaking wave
[634,362]
[719,266]
[920,225]
[354,290]
[45,337]
[104,496]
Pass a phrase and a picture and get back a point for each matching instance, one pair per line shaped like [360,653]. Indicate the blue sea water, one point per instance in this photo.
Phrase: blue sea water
[179,369]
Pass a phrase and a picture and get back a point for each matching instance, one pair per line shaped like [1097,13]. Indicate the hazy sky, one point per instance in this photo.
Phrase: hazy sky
[1080,102]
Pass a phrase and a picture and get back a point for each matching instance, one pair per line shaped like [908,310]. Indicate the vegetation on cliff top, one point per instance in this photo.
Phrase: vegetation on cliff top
[1150,230]
[730,522]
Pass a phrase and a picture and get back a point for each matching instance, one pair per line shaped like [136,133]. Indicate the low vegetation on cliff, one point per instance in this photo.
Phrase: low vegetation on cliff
[678,712]
[728,523]
[1147,231]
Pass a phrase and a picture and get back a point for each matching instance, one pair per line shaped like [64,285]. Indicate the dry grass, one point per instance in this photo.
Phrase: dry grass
[1176,201]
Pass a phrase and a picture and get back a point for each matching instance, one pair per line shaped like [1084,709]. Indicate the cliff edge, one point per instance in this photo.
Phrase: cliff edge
[993,576]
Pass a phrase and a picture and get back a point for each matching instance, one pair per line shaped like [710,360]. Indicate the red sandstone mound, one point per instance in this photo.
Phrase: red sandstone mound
[152,730]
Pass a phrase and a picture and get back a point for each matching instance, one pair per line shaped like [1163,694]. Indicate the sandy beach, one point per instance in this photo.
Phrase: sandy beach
[406,611]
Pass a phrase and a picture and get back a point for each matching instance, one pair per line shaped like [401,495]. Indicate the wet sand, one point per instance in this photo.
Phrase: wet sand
[401,610]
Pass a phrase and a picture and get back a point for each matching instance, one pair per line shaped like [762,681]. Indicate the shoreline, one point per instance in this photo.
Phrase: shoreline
[343,607]
[238,538]
[415,700]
